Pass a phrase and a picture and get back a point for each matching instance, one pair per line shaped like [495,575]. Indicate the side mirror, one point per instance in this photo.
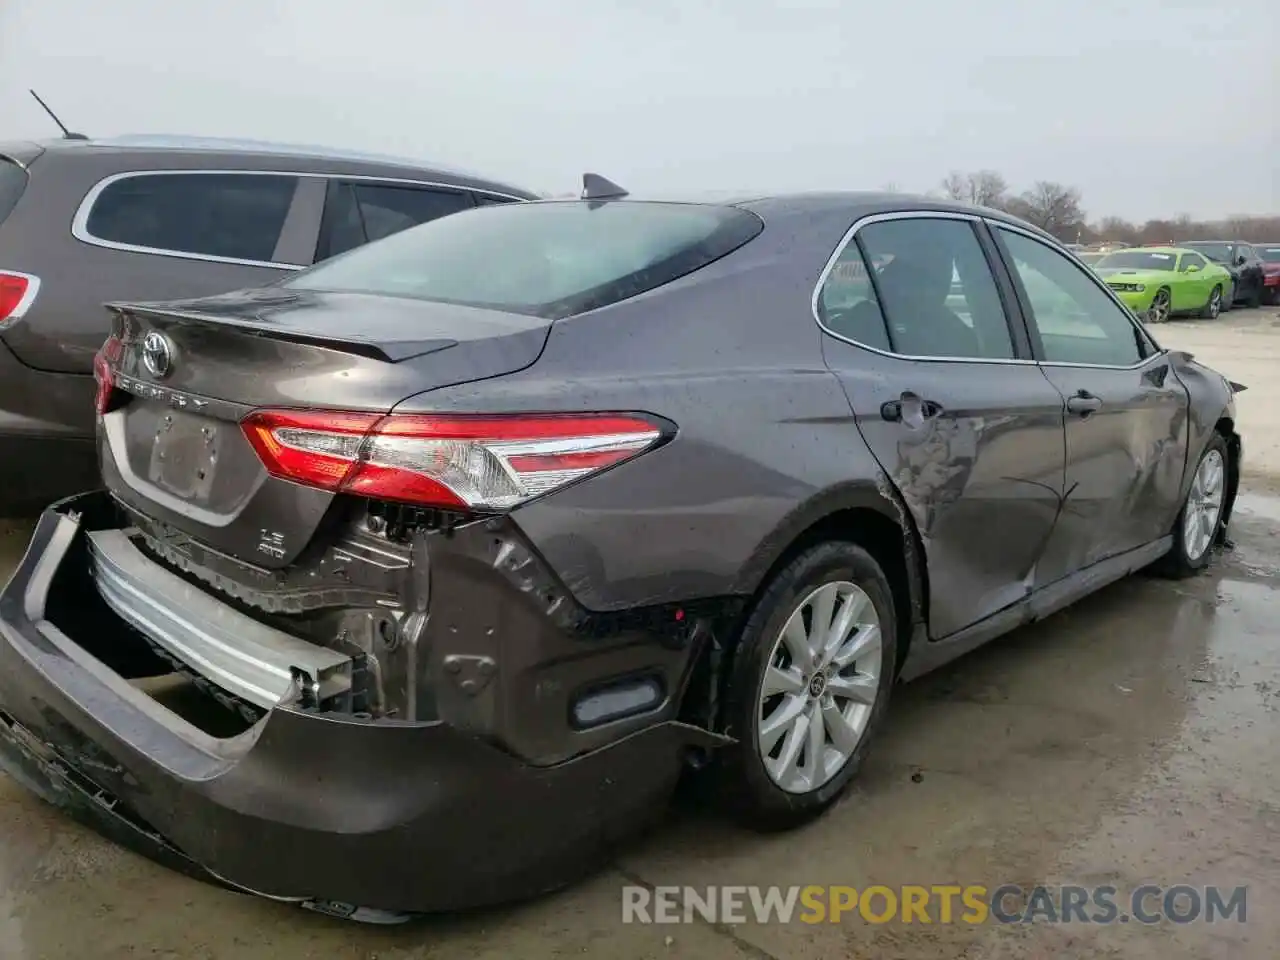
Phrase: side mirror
[1193,268]
[1241,260]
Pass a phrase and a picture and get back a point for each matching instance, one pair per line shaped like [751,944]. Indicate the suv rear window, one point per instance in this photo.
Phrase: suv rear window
[549,259]
[13,180]
[226,215]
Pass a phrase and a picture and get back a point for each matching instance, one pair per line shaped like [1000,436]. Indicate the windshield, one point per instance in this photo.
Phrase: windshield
[1269,254]
[1220,252]
[550,259]
[1137,260]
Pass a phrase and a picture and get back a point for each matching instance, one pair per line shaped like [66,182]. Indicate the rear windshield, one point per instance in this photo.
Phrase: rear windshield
[13,180]
[549,259]
[1138,260]
[1269,254]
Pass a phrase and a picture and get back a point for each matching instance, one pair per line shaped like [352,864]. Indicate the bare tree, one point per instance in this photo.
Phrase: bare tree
[1118,229]
[1053,207]
[955,186]
[986,188]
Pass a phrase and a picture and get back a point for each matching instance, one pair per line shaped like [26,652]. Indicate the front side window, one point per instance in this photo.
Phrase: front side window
[225,215]
[1076,320]
[549,259]
[359,213]
[934,288]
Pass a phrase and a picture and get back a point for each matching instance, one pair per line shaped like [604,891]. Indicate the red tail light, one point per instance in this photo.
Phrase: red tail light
[103,363]
[17,293]
[465,461]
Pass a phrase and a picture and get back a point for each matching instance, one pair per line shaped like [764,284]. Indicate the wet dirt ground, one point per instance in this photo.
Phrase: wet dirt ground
[1134,738]
[1130,739]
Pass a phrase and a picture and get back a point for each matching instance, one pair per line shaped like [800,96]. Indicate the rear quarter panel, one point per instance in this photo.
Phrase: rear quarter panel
[732,356]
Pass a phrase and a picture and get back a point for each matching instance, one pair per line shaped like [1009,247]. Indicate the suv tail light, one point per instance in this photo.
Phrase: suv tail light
[470,462]
[104,362]
[17,293]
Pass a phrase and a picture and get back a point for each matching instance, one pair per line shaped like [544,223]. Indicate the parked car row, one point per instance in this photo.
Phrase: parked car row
[467,544]
[1197,278]
[83,222]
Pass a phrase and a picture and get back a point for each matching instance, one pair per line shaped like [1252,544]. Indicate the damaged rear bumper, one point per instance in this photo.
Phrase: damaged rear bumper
[334,812]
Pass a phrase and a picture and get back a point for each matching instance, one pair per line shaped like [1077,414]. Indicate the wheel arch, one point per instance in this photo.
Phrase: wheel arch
[869,514]
[1226,428]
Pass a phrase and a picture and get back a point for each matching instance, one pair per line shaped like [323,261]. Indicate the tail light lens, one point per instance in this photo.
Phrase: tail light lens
[104,362]
[17,293]
[465,462]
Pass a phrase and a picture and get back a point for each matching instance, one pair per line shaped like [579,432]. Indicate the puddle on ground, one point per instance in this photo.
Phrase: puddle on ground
[1259,505]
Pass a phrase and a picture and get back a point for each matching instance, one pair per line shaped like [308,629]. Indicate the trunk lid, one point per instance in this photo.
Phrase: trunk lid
[187,372]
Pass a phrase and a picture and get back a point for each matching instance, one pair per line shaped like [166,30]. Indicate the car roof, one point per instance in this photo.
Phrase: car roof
[280,154]
[1160,249]
[853,204]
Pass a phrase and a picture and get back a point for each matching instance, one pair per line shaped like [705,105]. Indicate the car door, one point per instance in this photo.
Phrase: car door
[946,396]
[361,211]
[1126,423]
[1193,285]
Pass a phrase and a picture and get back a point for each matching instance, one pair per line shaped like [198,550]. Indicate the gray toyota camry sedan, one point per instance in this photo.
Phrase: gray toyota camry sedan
[420,576]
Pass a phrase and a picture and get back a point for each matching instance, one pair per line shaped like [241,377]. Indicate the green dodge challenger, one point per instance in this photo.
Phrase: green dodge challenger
[1161,282]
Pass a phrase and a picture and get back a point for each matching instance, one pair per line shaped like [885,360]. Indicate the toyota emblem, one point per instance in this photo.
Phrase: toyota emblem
[157,356]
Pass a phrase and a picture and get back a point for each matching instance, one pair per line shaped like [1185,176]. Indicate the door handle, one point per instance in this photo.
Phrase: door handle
[1083,404]
[909,409]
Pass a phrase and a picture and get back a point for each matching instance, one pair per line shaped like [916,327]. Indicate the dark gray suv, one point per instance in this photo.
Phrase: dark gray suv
[83,222]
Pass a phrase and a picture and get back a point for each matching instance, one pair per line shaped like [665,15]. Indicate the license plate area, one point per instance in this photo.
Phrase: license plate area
[179,452]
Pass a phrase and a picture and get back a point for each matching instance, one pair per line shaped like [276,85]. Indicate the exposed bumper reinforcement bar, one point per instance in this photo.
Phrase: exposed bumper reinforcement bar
[246,658]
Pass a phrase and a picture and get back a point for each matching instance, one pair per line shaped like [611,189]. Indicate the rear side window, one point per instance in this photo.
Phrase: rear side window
[930,292]
[551,259]
[359,213]
[225,215]
[13,180]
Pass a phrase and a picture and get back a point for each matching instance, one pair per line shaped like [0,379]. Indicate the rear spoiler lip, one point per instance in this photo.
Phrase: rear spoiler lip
[388,351]
[1236,387]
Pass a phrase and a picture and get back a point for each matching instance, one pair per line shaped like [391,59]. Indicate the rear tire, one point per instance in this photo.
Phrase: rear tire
[787,677]
[1200,519]
[1211,309]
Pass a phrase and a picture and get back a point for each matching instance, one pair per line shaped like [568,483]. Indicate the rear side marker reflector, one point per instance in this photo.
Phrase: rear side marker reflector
[470,462]
[17,293]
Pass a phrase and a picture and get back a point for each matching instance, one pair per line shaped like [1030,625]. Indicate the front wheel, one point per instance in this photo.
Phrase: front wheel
[1201,515]
[1161,307]
[1214,306]
[1229,298]
[809,686]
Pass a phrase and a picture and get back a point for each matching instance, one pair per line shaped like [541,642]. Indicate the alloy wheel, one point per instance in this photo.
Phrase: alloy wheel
[1204,506]
[819,687]
[1215,303]
[1158,312]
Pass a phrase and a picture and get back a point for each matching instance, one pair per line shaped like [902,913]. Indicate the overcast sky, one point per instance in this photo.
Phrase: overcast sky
[1150,107]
